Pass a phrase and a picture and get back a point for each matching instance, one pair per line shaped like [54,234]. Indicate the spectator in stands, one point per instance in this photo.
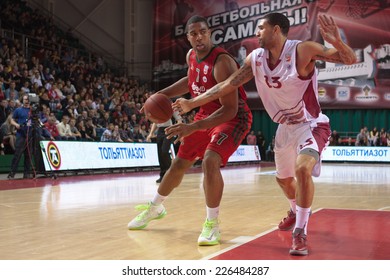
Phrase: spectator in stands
[69,88]
[107,134]
[11,93]
[114,102]
[36,79]
[334,139]
[142,121]
[251,138]
[7,136]
[12,105]
[25,87]
[105,91]
[100,111]
[374,137]
[44,114]
[137,135]
[124,133]
[105,121]
[128,108]
[92,114]
[361,138]
[117,113]
[116,137]
[45,74]
[133,120]
[383,137]
[67,106]
[44,99]
[388,139]
[73,128]
[90,129]
[91,105]
[4,52]
[83,132]
[143,130]
[349,142]
[48,86]
[64,129]
[82,107]
[51,126]
[83,116]
[2,88]
[4,111]
[25,77]
[366,132]
[54,105]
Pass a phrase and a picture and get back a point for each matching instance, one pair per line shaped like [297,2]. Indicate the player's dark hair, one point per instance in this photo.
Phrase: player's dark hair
[280,20]
[195,19]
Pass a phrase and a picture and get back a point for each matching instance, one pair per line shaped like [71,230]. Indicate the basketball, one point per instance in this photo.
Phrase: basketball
[158,108]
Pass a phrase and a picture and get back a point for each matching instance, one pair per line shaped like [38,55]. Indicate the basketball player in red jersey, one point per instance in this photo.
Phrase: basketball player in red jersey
[218,129]
[286,81]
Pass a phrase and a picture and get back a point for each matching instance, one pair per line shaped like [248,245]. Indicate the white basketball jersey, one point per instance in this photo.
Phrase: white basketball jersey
[287,97]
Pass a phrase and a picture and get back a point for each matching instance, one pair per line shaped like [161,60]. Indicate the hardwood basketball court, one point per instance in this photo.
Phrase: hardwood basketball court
[85,217]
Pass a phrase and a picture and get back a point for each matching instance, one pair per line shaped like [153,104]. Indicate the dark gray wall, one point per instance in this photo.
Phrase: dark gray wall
[120,29]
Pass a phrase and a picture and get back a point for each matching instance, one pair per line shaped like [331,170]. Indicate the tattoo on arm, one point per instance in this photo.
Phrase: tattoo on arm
[214,90]
[242,76]
[328,59]
[220,89]
[345,55]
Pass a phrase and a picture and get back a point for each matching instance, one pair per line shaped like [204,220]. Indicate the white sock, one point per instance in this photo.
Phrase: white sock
[158,199]
[302,218]
[292,205]
[212,213]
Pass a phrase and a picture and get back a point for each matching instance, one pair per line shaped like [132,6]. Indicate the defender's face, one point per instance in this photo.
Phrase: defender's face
[264,32]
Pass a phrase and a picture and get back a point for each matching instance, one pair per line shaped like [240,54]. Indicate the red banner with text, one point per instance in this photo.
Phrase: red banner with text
[364,25]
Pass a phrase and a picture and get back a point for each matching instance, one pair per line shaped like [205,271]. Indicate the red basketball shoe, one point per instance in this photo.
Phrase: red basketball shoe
[299,246]
[288,222]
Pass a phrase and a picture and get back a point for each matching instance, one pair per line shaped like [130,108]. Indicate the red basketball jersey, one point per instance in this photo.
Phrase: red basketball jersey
[201,78]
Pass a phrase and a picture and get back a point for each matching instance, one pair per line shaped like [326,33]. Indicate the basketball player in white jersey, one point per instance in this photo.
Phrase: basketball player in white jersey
[286,81]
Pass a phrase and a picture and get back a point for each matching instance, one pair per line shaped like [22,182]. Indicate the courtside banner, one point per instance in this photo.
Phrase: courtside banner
[358,154]
[364,25]
[73,155]
[245,153]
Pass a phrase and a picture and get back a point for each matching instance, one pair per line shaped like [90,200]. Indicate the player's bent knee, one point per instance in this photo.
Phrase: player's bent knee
[285,182]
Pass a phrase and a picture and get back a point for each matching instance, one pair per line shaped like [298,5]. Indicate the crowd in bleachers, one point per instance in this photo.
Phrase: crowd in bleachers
[78,99]
[365,137]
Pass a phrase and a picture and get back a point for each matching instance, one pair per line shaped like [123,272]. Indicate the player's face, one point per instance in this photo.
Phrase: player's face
[199,36]
[264,32]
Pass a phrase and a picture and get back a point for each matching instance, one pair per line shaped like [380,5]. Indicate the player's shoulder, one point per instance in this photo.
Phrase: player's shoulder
[224,58]
[308,47]
[307,44]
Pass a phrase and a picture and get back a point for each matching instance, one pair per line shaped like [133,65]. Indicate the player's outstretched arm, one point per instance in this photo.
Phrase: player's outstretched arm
[341,53]
[238,78]
[179,88]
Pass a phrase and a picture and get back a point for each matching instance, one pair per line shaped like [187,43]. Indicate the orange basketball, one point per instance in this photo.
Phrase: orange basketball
[158,108]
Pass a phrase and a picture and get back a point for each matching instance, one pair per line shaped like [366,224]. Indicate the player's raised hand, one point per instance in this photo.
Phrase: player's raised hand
[181,105]
[329,30]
